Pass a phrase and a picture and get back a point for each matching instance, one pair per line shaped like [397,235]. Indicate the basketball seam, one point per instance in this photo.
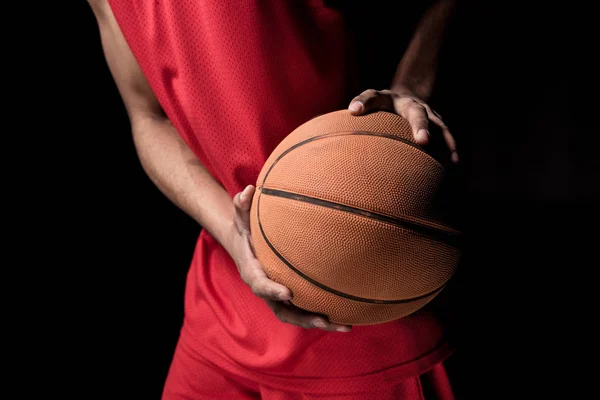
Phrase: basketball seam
[448,237]
[347,133]
[327,288]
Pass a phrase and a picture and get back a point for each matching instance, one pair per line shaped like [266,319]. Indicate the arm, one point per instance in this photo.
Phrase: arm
[417,70]
[177,172]
[415,77]
[167,160]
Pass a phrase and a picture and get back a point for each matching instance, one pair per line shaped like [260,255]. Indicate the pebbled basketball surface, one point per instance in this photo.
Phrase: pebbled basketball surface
[344,215]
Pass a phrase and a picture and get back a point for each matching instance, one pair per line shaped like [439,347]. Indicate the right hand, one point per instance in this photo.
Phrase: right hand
[277,296]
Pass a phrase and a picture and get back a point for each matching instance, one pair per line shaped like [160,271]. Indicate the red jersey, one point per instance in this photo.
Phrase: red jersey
[234,78]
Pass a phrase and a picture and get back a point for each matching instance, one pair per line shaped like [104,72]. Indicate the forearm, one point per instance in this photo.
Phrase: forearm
[165,157]
[178,173]
[417,69]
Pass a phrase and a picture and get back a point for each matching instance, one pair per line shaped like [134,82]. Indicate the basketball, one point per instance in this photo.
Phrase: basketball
[346,215]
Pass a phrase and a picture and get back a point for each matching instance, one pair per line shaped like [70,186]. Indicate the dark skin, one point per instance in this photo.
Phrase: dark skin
[177,172]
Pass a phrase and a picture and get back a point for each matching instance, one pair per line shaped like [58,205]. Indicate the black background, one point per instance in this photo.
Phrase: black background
[528,174]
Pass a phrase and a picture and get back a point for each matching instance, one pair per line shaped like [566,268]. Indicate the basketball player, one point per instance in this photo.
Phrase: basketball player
[211,87]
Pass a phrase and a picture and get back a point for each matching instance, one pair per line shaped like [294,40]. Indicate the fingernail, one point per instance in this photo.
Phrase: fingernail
[423,134]
[454,157]
[344,329]
[356,106]
[317,323]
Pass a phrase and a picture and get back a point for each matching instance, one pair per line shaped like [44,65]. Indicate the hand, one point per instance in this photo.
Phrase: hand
[408,105]
[277,296]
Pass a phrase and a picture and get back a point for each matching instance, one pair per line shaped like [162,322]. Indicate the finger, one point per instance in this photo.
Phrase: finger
[253,274]
[436,114]
[243,200]
[295,316]
[451,145]
[371,100]
[448,138]
[431,112]
[242,203]
[416,114]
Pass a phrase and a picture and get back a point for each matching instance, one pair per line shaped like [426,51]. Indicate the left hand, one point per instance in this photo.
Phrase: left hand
[408,105]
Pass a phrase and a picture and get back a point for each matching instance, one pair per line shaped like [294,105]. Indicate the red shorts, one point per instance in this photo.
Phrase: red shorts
[193,378]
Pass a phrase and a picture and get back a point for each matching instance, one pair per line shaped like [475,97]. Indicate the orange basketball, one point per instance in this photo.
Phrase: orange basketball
[344,216]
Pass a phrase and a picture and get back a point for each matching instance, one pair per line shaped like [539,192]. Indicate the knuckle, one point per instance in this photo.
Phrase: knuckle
[410,107]
[416,107]
[272,293]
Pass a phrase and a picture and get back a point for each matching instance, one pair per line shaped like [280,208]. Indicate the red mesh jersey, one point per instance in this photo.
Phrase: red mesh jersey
[235,77]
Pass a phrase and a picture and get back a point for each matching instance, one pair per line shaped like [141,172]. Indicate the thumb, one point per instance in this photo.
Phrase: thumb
[371,100]
[242,203]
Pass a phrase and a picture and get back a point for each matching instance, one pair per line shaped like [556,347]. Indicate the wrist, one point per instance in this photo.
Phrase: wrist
[411,89]
[228,237]
[402,89]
